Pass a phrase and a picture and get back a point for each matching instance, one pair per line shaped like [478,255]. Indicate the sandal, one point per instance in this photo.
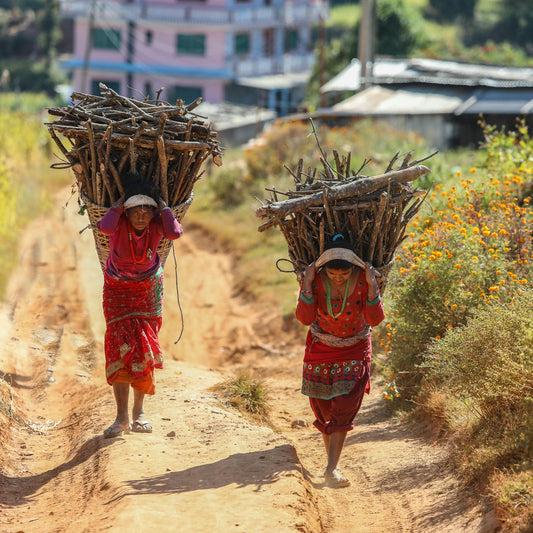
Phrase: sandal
[141,426]
[114,430]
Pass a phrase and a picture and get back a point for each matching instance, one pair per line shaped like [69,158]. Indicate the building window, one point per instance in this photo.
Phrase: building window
[291,40]
[149,37]
[242,43]
[106,39]
[95,86]
[191,44]
[268,43]
[187,94]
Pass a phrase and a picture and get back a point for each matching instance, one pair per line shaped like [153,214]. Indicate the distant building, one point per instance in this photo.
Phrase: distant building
[253,52]
[440,100]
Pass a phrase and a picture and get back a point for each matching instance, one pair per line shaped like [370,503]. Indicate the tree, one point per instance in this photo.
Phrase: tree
[49,31]
[400,28]
[451,10]
[515,24]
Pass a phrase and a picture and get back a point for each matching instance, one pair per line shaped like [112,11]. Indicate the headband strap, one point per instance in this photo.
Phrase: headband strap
[339,253]
[139,199]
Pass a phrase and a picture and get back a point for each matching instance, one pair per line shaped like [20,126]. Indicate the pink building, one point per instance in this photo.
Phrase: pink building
[255,52]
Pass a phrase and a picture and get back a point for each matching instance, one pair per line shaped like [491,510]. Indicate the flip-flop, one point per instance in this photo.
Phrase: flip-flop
[114,430]
[141,427]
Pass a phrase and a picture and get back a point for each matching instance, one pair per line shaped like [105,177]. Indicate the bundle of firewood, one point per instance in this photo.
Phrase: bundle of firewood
[371,212]
[108,137]
[111,135]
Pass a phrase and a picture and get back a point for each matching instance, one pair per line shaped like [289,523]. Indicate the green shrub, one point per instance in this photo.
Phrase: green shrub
[489,360]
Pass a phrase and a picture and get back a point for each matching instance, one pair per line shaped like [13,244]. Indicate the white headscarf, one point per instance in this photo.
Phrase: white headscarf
[139,199]
[340,253]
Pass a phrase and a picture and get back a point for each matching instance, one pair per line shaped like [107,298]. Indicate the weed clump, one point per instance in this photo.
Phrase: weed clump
[247,394]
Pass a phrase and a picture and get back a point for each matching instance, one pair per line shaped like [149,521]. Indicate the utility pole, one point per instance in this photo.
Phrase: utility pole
[322,51]
[367,39]
[130,57]
[88,46]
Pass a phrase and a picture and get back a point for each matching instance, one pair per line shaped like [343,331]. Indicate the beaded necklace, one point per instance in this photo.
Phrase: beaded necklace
[147,240]
[328,295]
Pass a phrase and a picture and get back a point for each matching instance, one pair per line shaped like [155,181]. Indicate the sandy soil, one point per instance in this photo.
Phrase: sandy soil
[206,467]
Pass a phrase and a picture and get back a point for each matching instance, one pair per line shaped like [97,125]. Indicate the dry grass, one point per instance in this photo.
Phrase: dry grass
[247,394]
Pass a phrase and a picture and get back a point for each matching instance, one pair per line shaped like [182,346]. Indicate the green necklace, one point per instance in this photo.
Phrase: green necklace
[328,294]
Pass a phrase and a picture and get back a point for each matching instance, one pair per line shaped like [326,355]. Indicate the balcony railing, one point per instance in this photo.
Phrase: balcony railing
[270,65]
[293,13]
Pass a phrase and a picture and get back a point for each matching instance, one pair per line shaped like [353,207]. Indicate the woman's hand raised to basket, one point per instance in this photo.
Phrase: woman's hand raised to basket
[309,276]
[370,275]
[119,202]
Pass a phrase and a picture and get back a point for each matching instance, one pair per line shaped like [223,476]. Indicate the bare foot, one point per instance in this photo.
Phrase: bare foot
[336,480]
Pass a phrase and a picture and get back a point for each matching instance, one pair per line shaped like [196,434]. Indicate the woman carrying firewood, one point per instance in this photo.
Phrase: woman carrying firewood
[340,301]
[133,297]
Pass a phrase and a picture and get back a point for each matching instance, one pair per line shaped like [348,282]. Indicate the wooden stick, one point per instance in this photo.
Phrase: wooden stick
[353,188]
[163,168]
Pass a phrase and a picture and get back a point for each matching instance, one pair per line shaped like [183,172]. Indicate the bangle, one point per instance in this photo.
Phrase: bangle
[307,292]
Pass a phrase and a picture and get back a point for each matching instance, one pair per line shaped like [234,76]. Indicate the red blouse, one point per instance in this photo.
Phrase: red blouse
[358,314]
[120,263]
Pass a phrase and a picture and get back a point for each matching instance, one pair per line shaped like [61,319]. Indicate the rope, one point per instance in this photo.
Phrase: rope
[177,293]
[294,267]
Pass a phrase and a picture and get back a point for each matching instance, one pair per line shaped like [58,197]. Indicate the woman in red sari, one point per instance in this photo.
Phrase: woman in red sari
[133,298]
[340,302]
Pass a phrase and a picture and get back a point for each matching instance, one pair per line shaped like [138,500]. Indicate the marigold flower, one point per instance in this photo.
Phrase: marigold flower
[457,266]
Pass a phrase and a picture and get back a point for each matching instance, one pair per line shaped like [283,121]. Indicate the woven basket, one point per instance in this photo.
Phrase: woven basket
[96,212]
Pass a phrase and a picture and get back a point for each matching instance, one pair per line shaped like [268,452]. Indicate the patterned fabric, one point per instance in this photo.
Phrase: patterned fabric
[328,380]
[133,314]
[337,342]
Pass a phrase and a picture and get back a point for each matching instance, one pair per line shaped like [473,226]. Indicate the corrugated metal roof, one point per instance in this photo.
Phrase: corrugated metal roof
[430,71]
[276,81]
[384,101]
[498,102]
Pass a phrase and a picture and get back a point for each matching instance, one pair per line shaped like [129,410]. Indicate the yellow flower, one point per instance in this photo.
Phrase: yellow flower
[472,170]
[475,258]
[457,266]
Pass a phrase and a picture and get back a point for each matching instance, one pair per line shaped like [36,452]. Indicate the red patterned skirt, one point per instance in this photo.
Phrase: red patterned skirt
[133,314]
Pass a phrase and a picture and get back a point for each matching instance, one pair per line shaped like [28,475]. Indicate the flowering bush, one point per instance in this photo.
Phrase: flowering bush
[474,250]
[458,335]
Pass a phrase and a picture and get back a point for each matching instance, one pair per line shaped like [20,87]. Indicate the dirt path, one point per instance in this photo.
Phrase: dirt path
[205,467]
